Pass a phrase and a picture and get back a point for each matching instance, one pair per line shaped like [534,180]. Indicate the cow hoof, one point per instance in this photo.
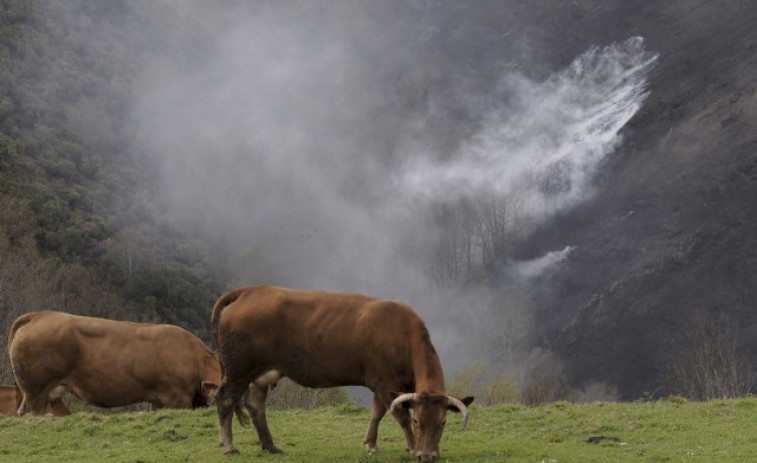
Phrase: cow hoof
[273,449]
[372,449]
[231,452]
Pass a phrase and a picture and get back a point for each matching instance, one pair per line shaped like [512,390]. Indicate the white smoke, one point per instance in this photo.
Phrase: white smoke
[545,142]
[278,144]
[527,269]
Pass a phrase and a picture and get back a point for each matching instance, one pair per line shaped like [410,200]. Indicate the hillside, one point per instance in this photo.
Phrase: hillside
[153,155]
[671,234]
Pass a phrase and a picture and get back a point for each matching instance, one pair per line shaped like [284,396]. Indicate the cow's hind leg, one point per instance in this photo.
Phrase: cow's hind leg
[256,406]
[37,404]
[378,410]
[34,400]
[227,397]
[22,408]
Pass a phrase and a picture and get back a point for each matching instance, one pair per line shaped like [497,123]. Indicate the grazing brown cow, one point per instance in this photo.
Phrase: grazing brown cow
[10,401]
[109,363]
[326,339]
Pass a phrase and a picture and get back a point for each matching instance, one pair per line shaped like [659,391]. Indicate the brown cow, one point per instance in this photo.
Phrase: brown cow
[326,339]
[10,401]
[109,363]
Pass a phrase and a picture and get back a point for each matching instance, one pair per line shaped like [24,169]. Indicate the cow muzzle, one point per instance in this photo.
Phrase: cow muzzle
[426,456]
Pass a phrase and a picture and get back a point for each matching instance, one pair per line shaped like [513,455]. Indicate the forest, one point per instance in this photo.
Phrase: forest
[562,191]
[81,226]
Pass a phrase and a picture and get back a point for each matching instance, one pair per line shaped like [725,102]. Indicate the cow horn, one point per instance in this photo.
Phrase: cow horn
[460,406]
[408,397]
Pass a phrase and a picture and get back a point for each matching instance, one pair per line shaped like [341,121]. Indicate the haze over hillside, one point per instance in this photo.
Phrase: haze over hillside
[554,187]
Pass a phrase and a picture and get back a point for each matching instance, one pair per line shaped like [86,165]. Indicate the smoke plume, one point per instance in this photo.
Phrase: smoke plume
[304,143]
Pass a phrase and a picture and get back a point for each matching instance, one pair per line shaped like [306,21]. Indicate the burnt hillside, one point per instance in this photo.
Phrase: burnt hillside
[673,231]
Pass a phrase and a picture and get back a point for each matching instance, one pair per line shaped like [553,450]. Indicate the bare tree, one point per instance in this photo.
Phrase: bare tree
[478,235]
[707,364]
[287,394]
[544,379]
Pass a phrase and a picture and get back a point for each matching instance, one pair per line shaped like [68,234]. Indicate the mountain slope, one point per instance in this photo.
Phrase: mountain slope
[168,150]
[673,231]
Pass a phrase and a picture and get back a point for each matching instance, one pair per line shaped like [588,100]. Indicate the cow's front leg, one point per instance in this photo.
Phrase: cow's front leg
[227,397]
[256,406]
[402,415]
[378,410]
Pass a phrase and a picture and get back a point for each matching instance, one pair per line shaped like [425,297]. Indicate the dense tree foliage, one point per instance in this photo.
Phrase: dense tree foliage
[70,179]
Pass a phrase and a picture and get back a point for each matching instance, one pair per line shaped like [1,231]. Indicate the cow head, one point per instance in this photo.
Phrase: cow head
[429,418]
[210,377]
[208,392]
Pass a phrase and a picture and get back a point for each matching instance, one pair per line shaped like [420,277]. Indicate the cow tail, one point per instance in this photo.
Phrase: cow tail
[17,324]
[215,320]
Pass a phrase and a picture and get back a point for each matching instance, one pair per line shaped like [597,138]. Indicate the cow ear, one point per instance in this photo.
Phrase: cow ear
[465,400]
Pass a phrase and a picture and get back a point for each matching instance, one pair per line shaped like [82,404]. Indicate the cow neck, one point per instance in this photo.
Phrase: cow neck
[427,369]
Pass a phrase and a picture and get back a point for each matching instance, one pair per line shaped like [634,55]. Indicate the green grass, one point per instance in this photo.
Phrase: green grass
[664,431]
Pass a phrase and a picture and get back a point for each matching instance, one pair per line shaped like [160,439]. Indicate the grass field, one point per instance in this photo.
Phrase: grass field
[664,431]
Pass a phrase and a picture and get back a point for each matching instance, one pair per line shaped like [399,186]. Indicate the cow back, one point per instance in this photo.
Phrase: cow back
[319,338]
